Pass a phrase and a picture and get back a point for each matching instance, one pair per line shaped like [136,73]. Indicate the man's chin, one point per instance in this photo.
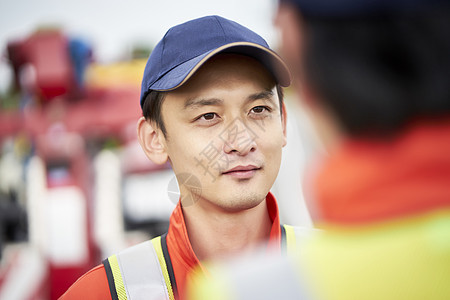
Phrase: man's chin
[241,201]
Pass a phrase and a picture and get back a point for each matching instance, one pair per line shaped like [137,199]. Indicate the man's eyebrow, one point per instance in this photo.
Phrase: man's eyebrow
[264,95]
[195,103]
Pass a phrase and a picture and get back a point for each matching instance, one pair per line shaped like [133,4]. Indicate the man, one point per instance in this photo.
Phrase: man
[212,106]
[375,78]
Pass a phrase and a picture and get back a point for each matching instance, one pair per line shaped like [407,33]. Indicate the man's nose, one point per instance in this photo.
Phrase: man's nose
[239,138]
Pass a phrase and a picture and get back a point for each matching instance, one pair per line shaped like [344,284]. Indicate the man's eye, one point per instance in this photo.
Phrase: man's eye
[207,119]
[208,116]
[259,109]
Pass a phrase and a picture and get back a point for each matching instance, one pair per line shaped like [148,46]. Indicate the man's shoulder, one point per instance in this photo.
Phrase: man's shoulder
[92,285]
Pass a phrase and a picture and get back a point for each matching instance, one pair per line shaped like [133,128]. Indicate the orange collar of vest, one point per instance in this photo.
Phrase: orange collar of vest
[368,181]
[182,255]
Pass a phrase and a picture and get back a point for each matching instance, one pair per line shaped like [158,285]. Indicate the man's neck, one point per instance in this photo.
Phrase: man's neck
[215,233]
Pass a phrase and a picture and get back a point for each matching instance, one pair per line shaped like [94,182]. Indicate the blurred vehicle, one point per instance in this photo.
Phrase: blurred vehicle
[80,178]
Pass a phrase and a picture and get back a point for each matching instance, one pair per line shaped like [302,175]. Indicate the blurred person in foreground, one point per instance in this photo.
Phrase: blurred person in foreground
[213,107]
[375,76]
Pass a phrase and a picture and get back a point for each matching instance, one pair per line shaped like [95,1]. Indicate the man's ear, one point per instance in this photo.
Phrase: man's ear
[152,141]
[283,122]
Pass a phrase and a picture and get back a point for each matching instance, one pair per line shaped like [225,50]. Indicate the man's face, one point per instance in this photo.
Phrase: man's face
[290,25]
[224,128]
[293,40]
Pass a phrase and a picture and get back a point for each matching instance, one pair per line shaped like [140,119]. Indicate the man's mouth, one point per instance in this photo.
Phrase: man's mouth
[242,172]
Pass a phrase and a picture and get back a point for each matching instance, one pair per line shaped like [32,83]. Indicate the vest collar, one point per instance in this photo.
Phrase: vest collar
[368,181]
[178,239]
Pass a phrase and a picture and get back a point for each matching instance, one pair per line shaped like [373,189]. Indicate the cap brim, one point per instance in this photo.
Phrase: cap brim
[177,76]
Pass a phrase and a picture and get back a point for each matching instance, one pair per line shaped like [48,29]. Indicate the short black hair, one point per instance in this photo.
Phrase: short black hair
[151,108]
[379,73]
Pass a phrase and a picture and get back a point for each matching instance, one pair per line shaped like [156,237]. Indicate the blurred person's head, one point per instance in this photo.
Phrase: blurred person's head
[369,68]
[212,107]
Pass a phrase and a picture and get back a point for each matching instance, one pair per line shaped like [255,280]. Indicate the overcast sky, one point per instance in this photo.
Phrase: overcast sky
[113,27]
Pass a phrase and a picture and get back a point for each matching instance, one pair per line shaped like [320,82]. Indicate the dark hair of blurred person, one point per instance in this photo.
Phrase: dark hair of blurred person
[378,73]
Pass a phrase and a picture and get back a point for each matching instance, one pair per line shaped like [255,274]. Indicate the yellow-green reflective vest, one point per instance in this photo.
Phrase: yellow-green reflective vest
[145,271]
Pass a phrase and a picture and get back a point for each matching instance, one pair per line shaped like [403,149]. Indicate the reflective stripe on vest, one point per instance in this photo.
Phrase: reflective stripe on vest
[145,271]
[293,237]
[141,272]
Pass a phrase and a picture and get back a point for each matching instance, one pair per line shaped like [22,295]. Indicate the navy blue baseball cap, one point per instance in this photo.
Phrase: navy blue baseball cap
[359,8]
[186,47]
